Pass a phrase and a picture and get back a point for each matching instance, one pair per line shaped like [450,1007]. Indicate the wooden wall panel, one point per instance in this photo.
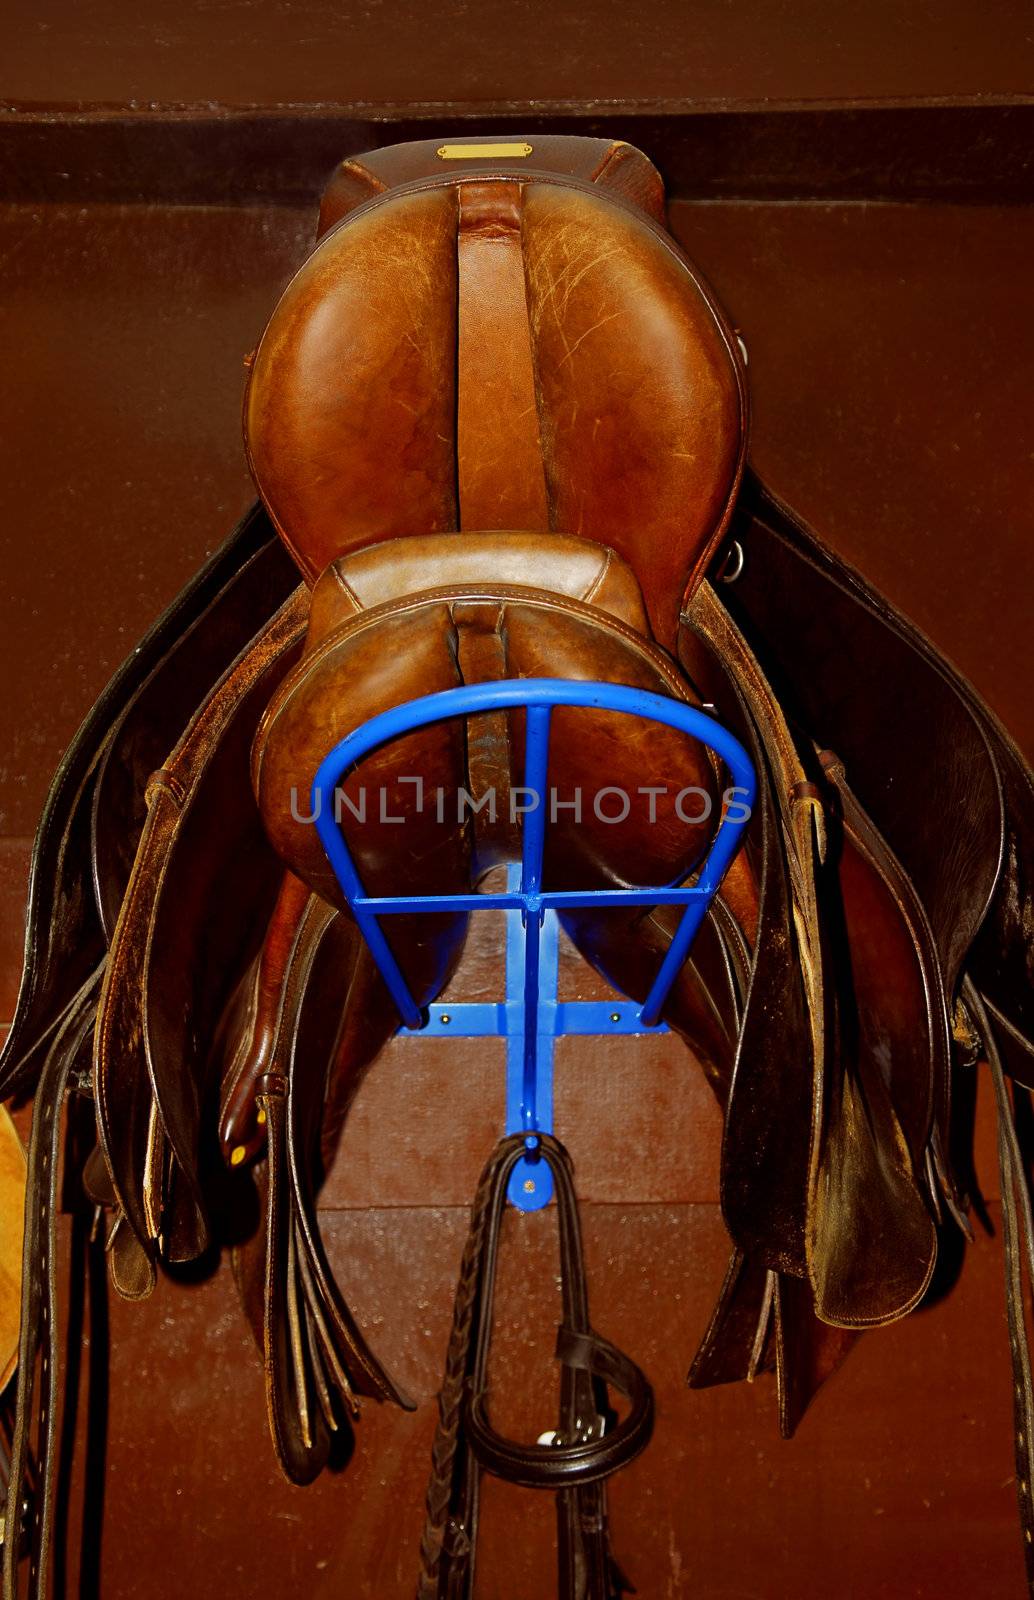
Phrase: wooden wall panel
[501,52]
[887,357]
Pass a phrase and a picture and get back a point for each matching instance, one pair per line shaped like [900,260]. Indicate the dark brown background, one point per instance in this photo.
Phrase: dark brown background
[854,181]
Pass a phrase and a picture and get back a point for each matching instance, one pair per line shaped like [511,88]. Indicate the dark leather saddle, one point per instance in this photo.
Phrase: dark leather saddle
[498,425]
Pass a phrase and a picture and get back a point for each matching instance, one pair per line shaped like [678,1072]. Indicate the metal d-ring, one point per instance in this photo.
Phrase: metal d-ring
[735,561]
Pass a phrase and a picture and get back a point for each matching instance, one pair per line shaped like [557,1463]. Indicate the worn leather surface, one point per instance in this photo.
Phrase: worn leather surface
[379,573]
[541,635]
[142,1052]
[621,330]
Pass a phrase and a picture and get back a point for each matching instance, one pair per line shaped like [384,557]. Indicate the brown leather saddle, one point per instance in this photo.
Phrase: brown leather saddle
[498,426]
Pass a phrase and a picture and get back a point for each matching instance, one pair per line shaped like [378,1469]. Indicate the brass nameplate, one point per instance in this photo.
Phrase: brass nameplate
[482,152]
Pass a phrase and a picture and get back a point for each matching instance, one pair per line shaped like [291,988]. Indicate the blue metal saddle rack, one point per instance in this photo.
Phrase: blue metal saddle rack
[531,1018]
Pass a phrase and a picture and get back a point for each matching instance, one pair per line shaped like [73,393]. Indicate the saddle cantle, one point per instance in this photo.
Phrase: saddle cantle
[498,425]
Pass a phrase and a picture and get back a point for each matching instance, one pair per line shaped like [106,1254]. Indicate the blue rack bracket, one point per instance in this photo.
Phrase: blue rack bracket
[531,1018]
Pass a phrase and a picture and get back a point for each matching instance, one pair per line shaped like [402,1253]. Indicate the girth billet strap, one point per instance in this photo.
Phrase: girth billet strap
[583,1455]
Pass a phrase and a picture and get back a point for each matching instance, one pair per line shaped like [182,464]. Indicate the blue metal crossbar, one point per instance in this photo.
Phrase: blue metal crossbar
[532,1018]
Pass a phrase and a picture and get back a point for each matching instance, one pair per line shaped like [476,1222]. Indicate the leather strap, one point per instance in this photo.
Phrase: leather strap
[298,1429]
[774,1111]
[315,1357]
[499,452]
[466,1443]
[934,1114]
[38,1341]
[481,656]
[557,1466]
[583,1354]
